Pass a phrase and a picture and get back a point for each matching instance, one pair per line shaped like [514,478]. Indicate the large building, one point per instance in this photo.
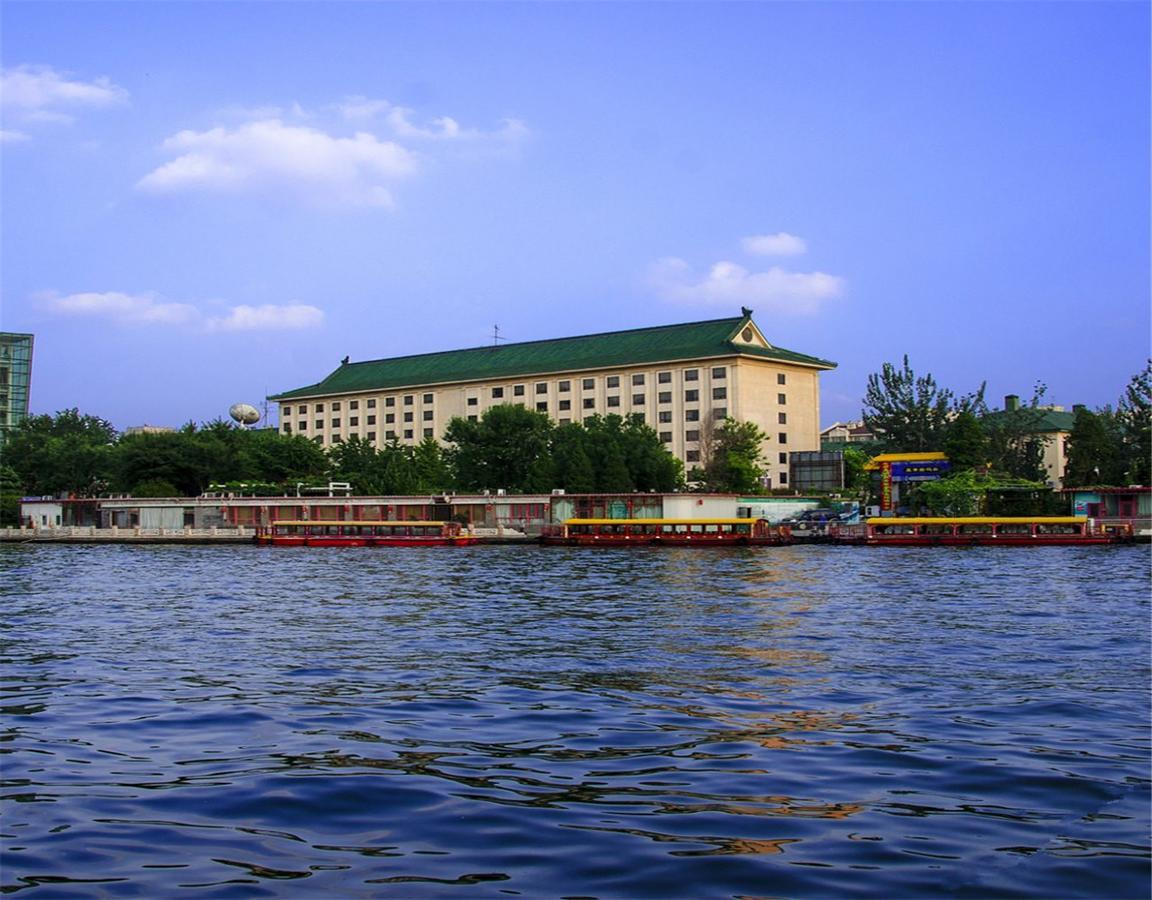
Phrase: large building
[15,380]
[683,379]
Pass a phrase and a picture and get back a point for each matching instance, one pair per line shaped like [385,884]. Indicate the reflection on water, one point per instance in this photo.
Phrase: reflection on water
[556,722]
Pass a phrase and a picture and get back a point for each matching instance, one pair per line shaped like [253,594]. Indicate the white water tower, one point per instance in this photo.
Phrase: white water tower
[244,414]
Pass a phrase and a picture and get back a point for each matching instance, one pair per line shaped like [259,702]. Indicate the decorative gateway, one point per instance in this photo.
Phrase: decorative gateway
[293,533]
[980,531]
[667,533]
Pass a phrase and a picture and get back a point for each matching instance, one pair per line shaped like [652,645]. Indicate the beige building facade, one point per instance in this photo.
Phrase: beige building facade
[683,379]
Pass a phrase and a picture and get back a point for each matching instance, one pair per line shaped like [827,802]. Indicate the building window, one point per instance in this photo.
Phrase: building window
[664,397]
[691,396]
[665,417]
[473,418]
[664,377]
[542,406]
[472,401]
[692,456]
[589,403]
[389,401]
[371,420]
[287,428]
[783,437]
[389,418]
[518,391]
[781,378]
[372,404]
[336,406]
[637,399]
[781,399]
[428,398]
[319,407]
[640,417]
[427,432]
[372,436]
[666,437]
[497,392]
[564,386]
[720,413]
[335,423]
[409,399]
[303,426]
[721,372]
[612,381]
[390,435]
[691,415]
[336,439]
[691,374]
[354,421]
[542,388]
[408,417]
[427,415]
[302,410]
[720,393]
[782,418]
[783,459]
[589,383]
[319,423]
[638,379]
[783,477]
[691,435]
[407,434]
[565,404]
[353,404]
[613,401]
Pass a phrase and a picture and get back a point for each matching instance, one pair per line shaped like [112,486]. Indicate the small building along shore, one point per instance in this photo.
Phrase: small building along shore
[682,379]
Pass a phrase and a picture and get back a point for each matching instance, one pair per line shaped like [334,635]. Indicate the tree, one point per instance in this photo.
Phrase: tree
[498,450]
[1016,438]
[966,444]
[733,457]
[66,453]
[1095,450]
[1134,415]
[911,413]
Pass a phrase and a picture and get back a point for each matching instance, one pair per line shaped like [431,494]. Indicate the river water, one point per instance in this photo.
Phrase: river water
[548,722]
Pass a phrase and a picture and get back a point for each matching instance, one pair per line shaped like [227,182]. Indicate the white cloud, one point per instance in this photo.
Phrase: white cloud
[779,244]
[129,309]
[401,121]
[268,318]
[269,155]
[42,94]
[8,136]
[148,309]
[731,285]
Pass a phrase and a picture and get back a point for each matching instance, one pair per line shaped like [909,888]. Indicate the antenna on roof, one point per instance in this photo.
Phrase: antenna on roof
[496,335]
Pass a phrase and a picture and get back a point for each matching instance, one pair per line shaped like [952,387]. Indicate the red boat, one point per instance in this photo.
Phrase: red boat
[300,533]
[666,533]
[1013,531]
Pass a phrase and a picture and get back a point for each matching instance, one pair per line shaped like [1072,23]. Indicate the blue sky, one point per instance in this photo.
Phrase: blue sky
[203,203]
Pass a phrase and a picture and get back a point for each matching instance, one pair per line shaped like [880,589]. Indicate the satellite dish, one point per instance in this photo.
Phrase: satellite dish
[244,413]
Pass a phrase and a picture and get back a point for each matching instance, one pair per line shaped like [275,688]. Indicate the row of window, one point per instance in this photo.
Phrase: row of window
[610,381]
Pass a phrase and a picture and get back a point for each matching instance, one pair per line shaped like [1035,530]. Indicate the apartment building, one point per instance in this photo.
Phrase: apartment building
[683,379]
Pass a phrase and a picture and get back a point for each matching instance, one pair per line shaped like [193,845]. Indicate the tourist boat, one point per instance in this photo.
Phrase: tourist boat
[1014,531]
[666,533]
[303,533]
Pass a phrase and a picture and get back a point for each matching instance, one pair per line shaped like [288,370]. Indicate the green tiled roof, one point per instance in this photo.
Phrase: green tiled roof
[1038,420]
[668,343]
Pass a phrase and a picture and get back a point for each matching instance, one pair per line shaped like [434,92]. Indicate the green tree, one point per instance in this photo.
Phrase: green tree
[966,444]
[66,453]
[9,497]
[1095,450]
[1016,438]
[732,457]
[909,412]
[1134,415]
[570,456]
[500,449]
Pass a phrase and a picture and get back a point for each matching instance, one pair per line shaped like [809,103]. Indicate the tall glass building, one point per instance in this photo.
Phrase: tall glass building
[15,380]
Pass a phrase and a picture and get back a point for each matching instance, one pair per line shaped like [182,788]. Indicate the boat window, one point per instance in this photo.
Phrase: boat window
[711,529]
[895,529]
[743,529]
[975,529]
[1013,529]
[935,529]
[1063,528]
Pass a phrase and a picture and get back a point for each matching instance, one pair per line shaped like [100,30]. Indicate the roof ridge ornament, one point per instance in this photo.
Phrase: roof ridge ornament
[746,312]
